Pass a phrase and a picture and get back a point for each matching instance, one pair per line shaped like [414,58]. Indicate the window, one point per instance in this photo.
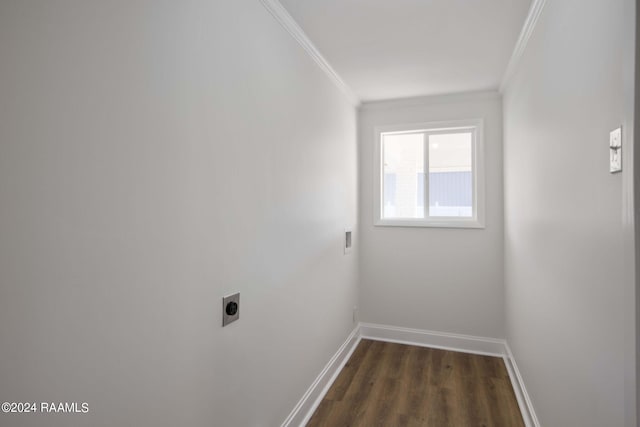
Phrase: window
[438,163]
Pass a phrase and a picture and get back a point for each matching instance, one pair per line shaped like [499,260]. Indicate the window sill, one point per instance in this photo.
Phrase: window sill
[431,223]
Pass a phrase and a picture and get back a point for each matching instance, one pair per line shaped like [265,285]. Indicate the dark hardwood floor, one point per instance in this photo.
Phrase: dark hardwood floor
[386,384]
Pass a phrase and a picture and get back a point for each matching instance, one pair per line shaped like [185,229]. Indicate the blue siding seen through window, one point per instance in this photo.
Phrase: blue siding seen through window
[390,188]
[450,194]
[389,199]
[446,189]
[450,189]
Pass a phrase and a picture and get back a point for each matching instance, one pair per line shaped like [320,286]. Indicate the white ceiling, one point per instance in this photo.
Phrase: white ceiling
[386,49]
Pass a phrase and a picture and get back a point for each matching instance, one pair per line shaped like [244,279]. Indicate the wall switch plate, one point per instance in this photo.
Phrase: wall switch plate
[615,150]
[230,309]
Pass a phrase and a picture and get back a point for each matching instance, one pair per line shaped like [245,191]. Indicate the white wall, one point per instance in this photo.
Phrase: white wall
[155,156]
[448,280]
[569,261]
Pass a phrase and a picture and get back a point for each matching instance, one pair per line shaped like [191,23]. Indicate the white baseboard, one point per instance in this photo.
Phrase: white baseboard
[524,401]
[441,340]
[315,393]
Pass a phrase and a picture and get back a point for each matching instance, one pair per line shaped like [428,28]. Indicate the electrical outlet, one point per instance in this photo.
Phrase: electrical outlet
[230,309]
[355,314]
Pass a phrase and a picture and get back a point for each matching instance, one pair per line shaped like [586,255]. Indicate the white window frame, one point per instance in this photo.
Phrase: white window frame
[477,158]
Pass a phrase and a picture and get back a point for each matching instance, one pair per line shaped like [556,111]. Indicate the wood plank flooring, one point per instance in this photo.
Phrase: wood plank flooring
[393,385]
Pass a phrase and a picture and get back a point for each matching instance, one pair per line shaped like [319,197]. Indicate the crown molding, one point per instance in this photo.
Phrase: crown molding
[286,20]
[418,101]
[525,34]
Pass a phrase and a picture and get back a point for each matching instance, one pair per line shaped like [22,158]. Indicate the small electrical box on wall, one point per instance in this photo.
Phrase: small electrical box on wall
[348,241]
[230,309]
[615,150]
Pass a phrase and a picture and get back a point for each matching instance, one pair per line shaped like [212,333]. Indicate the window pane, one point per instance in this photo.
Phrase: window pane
[420,194]
[450,175]
[403,157]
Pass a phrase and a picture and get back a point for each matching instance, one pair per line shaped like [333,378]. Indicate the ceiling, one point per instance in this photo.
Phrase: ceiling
[386,49]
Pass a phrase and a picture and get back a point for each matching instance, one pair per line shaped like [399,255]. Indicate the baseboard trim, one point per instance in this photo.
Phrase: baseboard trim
[433,339]
[315,393]
[524,401]
[442,340]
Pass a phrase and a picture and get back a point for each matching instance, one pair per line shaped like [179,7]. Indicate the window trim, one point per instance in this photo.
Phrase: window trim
[478,170]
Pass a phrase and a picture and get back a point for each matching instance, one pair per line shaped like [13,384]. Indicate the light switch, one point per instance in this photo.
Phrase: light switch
[615,150]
